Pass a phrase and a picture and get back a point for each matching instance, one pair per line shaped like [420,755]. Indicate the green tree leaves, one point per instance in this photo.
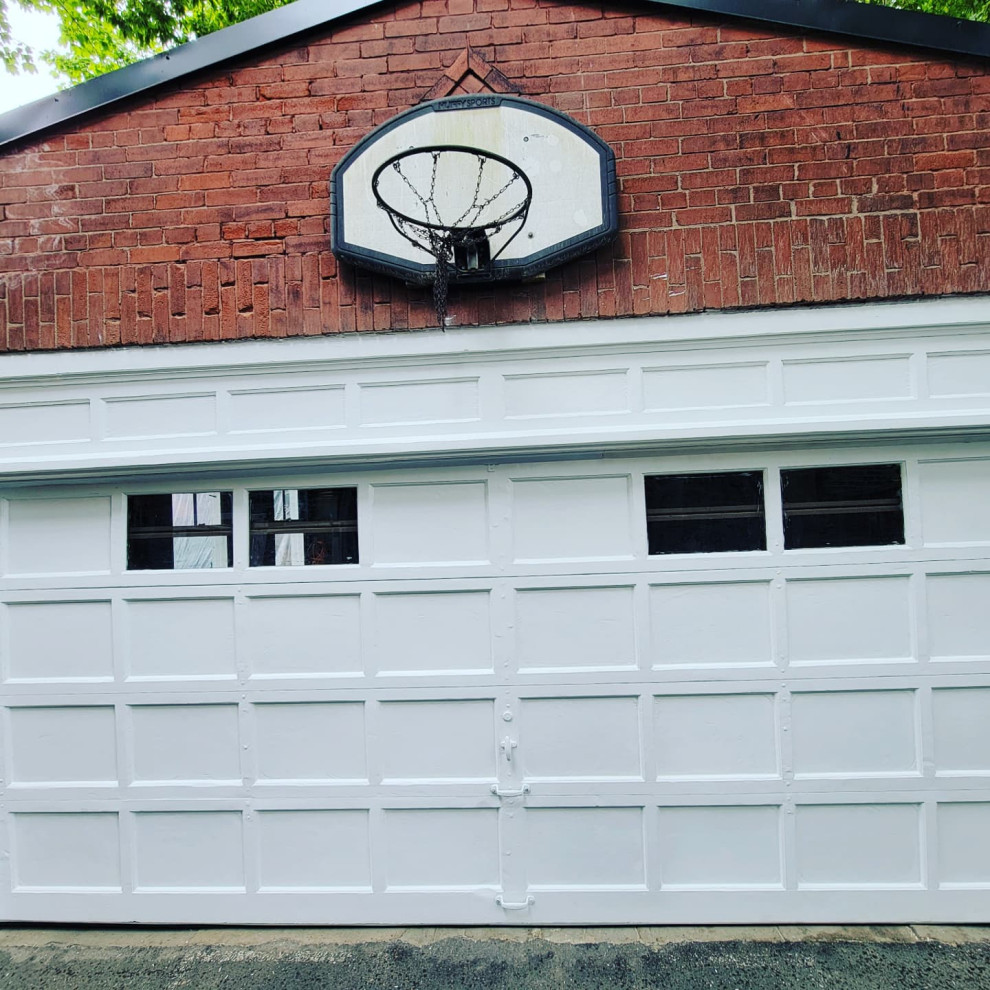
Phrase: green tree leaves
[101,35]
[967,10]
[15,56]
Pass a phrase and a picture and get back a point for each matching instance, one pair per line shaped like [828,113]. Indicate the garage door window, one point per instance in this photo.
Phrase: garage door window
[705,513]
[302,526]
[847,506]
[179,531]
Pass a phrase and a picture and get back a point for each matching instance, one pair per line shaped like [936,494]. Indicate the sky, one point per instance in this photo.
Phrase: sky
[40,31]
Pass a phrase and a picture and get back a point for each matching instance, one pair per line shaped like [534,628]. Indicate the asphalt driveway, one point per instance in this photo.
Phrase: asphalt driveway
[795,958]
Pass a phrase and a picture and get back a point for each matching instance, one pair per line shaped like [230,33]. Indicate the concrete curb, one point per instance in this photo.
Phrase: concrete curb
[20,937]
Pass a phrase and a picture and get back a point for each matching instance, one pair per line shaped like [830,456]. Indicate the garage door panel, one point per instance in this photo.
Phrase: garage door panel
[314,849]
[57,535]
[71,850]
[718,848]
[687,624]
[433,633]
[571,518]
[839,733]
[958,619]
[575,629]
[309,635]
[424,524]
[38,753]
[437,741]
[195,850]
[855,845]
[963,850]
[954,494]
[180,638]
[842,619]
[58,641]
[441,848]
[581,738]
[185,744]
[311,742]
[961,719]
[716,736]
[577,847]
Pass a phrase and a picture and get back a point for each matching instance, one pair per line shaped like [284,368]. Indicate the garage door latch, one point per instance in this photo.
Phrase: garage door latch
[514,905]
[517,793]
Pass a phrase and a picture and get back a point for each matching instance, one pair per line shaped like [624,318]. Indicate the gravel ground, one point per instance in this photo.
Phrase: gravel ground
[768,958]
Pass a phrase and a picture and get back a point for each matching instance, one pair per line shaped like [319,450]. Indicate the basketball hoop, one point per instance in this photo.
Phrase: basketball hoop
[427,196]
[451,202]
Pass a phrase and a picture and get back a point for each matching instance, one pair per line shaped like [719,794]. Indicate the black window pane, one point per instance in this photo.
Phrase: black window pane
[293,527]
[262,550]
[705,513]
[179,530]
[150,554]
[857,506]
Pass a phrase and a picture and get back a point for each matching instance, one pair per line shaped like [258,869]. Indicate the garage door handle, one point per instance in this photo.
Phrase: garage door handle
[519,793]
[508,745]
[514,905]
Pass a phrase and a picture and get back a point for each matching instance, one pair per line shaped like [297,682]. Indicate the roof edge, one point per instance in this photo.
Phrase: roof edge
[195,56]
[863,21]
[866,21]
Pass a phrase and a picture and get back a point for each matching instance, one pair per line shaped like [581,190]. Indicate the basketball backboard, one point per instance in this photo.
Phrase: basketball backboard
[523,186]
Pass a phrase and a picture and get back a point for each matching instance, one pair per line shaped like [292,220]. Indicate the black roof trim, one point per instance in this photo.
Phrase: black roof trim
[151,73]
[866,22]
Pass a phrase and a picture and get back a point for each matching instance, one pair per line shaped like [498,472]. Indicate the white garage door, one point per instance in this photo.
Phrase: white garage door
[741,688]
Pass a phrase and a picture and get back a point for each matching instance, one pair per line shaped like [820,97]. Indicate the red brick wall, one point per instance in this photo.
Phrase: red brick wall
[758,167]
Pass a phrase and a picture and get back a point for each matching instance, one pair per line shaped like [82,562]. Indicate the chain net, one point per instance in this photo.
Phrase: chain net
[467,235]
